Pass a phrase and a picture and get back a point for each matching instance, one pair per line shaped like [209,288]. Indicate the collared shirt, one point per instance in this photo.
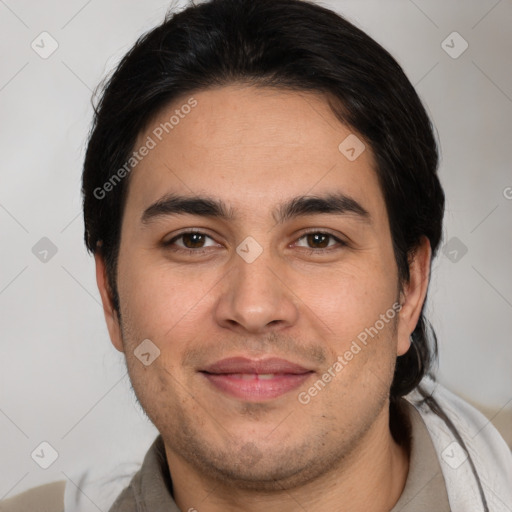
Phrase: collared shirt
[151,488]
[425,488]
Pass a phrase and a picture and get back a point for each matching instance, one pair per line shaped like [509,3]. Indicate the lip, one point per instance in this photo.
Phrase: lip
[255,380]
[256,366]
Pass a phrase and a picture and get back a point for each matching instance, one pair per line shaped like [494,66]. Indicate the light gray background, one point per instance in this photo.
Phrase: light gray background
[61,381]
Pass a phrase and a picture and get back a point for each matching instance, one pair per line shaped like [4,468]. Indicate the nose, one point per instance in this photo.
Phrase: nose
[255,297]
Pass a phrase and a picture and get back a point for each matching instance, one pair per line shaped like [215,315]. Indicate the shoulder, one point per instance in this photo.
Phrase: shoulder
[106,488]
[476,430]
[45,498]
[474,457]
[126,501]
[51,498]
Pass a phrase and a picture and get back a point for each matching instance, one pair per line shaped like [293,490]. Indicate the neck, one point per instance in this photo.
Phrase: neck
[371,479]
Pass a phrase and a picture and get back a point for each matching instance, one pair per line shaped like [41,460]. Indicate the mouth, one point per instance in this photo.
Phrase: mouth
[255,380]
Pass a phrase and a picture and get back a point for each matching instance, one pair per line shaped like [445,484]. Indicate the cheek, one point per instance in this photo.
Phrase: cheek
[162,303]
[351,299]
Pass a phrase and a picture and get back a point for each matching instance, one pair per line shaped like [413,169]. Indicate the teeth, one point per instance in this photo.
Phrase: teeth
[253,376]
[244,376]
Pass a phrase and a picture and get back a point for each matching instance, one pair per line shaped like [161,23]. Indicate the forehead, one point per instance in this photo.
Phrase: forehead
[254,147]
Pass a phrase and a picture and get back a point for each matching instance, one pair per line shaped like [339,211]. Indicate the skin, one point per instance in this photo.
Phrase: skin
[255,148]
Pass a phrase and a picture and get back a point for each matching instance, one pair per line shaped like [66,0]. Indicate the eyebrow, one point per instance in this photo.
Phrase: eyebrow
[173,204]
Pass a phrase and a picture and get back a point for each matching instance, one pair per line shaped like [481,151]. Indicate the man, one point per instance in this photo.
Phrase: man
[261,197]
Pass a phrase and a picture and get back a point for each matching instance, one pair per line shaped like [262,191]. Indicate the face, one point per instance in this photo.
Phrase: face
[271,301]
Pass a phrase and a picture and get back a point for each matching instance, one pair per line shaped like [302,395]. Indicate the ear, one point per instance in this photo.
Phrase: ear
[413,294]
[110,313]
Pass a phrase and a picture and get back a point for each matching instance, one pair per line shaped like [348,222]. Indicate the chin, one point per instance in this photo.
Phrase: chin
[252,467]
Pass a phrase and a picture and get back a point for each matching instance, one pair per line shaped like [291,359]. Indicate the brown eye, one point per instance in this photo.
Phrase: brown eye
[318,240]
[193,240]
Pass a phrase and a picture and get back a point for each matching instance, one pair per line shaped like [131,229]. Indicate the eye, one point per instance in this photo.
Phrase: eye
[198,242]
[190,241]
[318,240]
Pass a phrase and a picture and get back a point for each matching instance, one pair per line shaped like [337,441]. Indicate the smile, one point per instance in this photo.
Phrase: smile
[252,380]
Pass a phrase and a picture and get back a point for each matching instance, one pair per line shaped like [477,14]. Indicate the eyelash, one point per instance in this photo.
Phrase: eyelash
[202,250]
[340,243]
